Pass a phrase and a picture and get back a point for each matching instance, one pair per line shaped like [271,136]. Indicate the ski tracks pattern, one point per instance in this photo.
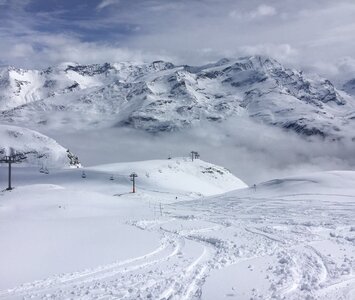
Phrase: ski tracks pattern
[199,237]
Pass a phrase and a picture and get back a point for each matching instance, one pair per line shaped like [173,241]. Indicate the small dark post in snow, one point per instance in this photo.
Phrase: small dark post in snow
[161,209]
[83,175]
[112,178]
[12,159]
[133,179]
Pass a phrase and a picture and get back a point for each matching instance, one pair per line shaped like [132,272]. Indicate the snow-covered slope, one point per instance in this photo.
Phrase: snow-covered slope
[177,174]
[20,86]
[37,148]
[160,97]
[295,239]
[63,236]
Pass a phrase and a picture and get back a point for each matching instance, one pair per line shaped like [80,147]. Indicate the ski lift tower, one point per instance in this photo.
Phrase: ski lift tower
[133,179]
[194,155]
[13,158]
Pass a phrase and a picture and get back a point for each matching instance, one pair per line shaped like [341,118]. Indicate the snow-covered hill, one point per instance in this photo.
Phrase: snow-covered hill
[38,149]
[160,97]
[177,174]
[64,236]
[67,208]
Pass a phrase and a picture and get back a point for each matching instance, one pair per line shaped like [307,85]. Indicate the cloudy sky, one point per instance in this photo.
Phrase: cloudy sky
[316,35]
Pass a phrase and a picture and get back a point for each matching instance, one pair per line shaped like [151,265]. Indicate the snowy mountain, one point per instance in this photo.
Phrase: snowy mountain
[161,97]
[38,149]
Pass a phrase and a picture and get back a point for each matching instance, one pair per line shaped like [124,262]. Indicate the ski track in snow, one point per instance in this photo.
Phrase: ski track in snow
[199,238]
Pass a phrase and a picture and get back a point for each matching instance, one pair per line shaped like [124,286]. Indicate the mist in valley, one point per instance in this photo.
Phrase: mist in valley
[252,151]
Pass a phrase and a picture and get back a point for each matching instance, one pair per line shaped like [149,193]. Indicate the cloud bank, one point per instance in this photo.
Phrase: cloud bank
[313,35]
[254,152]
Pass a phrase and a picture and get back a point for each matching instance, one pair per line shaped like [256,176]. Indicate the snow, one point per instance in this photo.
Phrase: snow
[177,174]
[161,97]
[192,230]
[63,236]
[36,147]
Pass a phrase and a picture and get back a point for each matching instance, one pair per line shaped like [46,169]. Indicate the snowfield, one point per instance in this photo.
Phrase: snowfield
[192,231]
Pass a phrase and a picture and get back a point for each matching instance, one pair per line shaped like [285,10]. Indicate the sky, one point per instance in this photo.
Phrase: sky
[316,36]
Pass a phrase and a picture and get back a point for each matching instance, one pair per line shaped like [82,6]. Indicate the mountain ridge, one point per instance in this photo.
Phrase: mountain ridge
[162,97]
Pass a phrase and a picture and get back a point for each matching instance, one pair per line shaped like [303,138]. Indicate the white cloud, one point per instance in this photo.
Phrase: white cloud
[284,52]
[343,69]
[41,50]
[250,155]
[22,50]
[260,12]
[106,3]
[263,11]
[308,34]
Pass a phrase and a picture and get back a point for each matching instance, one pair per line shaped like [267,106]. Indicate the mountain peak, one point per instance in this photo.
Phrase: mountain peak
[259,62]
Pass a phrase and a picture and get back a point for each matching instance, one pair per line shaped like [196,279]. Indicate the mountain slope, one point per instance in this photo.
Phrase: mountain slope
[289,238]
[37,148]
[160,97]
[177,174]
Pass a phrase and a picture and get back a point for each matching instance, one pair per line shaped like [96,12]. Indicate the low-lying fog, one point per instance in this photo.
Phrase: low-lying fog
[253,152]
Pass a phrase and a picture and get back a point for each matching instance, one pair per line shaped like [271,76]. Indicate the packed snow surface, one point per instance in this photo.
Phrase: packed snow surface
[67,237]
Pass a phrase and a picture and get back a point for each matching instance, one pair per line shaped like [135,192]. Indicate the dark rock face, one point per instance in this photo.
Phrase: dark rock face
[90,70]
[301,128]
[73,160]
